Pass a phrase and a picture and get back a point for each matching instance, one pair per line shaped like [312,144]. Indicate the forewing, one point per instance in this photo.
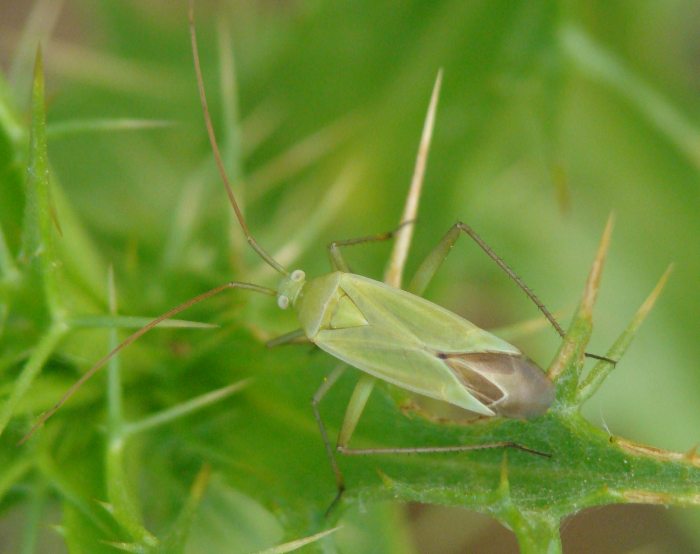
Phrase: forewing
[400,360]
[432,326]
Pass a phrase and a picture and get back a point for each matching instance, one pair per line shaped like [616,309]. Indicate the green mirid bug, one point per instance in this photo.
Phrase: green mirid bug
[386,332]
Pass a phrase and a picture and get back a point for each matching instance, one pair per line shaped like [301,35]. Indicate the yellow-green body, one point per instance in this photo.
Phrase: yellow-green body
[412,343]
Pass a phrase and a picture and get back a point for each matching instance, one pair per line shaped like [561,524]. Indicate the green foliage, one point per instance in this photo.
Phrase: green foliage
[201,439]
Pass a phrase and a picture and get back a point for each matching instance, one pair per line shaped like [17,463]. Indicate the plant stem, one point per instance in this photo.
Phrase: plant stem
[31,369]
[185,408]
[35,510]
[537,533]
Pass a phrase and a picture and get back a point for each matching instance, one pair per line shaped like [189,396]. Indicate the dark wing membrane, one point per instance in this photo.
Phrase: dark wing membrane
[464,366]
[510,385]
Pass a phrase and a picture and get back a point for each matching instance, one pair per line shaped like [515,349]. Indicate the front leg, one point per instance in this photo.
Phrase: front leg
[338,263]
[293,337]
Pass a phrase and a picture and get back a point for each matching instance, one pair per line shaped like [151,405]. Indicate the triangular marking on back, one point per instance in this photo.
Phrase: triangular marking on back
[346,314]
[391,320]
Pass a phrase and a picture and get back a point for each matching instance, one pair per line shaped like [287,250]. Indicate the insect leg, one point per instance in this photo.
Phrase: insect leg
[337,260]
[352,415]
[427,270]
[434,260]
[441,449]
[315,401]
[356,406]
[293,337]
[135,336]
[432,263]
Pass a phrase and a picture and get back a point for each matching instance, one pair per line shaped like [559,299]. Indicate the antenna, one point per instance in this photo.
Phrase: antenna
[217,154]
[132,338]
[527,290]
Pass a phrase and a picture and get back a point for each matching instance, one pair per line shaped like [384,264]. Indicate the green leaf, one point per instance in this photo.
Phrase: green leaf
[603,368]
[67,128]
[299,543]
[40,220]
[176,540]
[133,322]
[566,369]
[29,372]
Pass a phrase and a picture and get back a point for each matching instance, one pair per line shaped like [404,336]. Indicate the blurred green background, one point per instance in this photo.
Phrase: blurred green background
[552,116]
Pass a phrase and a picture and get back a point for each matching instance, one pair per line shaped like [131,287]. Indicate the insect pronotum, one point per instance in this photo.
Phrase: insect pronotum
[388,333]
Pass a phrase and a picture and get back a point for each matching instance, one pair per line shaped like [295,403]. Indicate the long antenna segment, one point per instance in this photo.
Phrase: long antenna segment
[217,154]
[132,338]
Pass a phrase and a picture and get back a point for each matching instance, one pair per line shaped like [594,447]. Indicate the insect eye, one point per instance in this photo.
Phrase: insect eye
[283,301]
[297,275]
